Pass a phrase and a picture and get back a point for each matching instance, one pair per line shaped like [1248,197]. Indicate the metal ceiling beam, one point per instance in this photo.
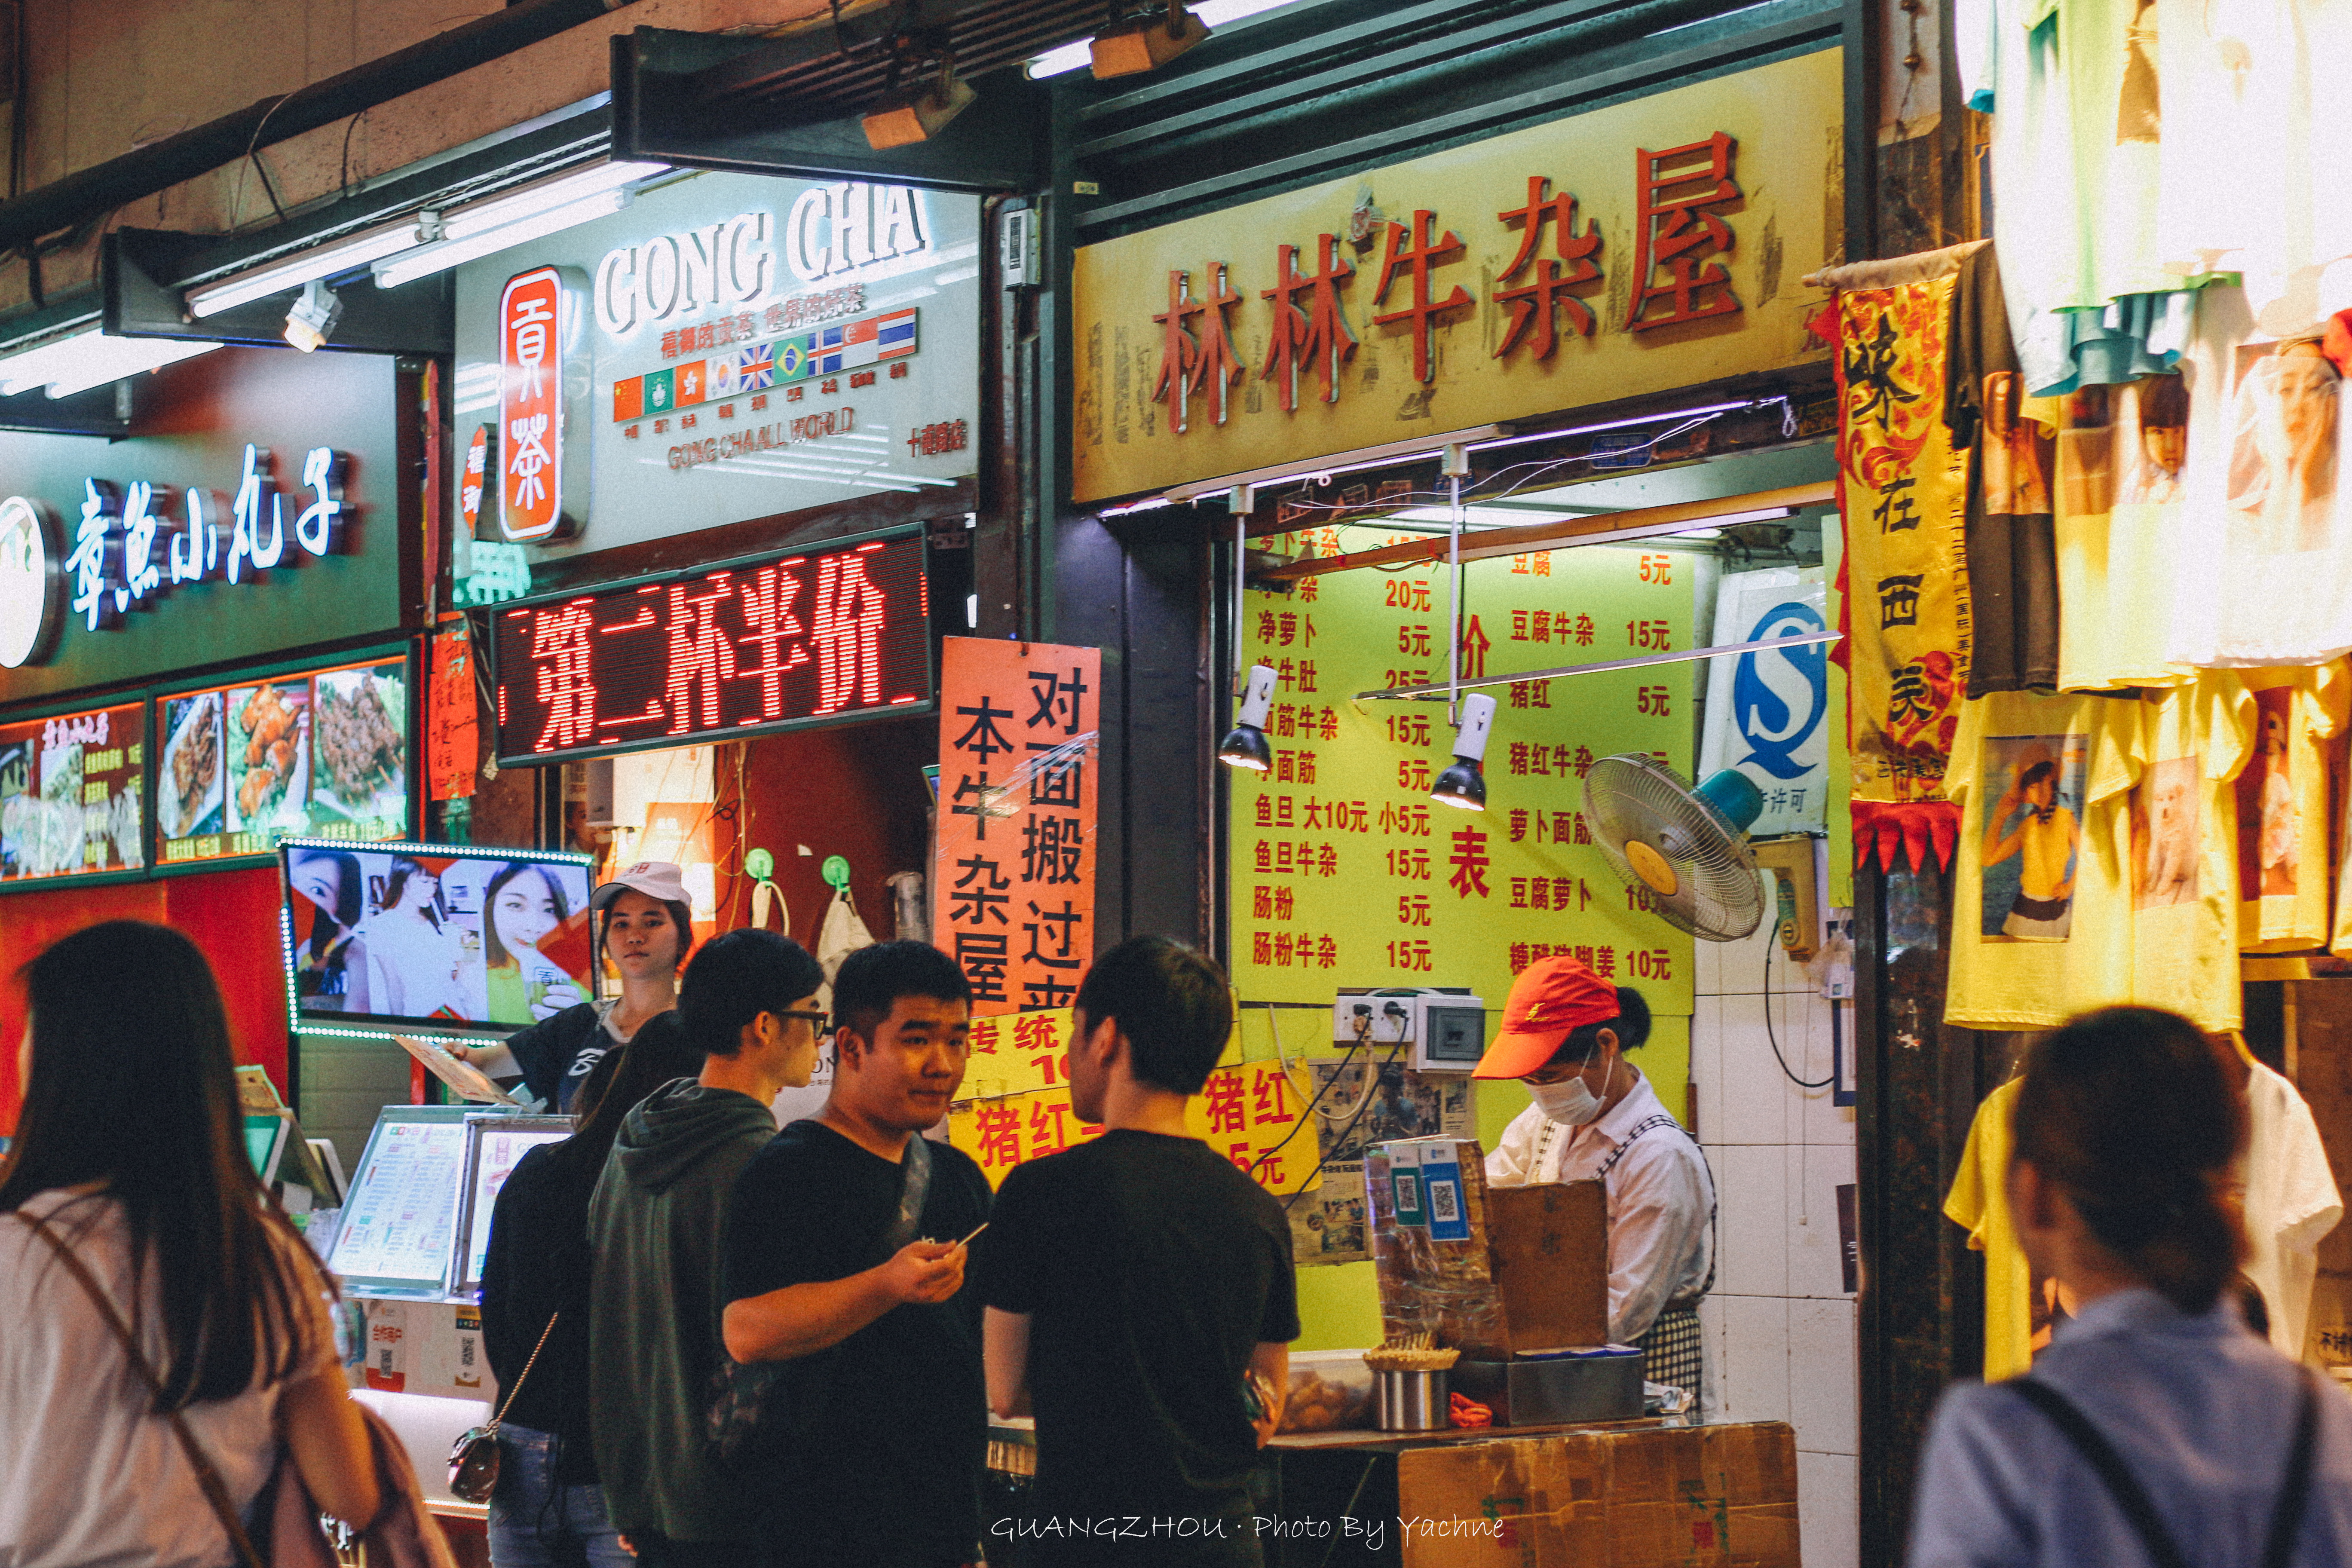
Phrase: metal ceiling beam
[1566,531]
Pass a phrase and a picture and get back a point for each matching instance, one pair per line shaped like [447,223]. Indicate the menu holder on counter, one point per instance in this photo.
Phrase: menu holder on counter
[495,1143]
[463,1078]
[403,1207]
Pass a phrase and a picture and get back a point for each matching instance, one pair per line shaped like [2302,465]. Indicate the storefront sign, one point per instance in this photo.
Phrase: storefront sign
[322,755]
[1013,883]
[1641,246]
[807,639]
[32,587]
[531,407]
[729,347]
[476,478]
[1768,713]
[72,801]
[255,514]
[1344,872]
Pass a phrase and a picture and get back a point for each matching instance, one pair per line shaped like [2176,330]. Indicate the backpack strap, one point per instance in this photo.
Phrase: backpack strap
[2295,1491]
[914,1187]
[2129,1497]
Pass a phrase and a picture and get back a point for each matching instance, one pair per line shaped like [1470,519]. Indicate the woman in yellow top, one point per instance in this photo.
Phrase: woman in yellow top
[2044,837]
[525,903]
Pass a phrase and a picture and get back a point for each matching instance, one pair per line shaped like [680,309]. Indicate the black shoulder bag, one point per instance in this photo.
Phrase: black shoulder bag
[2132,1500]
[746,1402]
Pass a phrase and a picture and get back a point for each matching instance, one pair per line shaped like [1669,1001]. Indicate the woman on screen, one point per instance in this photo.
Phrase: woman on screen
[524,903]
[412,955]
[330,969]
[146,1188]
[648,928]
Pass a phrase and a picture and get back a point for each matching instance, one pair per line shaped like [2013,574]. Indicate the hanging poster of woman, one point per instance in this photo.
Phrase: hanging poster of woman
[2032,832]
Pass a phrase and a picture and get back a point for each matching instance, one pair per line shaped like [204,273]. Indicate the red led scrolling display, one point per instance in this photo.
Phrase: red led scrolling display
[820,634]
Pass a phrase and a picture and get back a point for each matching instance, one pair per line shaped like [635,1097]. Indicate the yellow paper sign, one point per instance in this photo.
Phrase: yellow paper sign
[1250,1113]
[1645,246]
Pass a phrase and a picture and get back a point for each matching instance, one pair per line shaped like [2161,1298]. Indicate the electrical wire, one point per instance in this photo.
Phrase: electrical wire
[1769,1034]
[1339,1139]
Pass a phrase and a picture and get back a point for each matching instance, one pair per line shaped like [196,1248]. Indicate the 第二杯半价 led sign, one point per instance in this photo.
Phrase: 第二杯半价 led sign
[128,546]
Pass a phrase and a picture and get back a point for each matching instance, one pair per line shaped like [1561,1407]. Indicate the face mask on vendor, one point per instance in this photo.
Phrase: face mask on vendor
[1561,1089]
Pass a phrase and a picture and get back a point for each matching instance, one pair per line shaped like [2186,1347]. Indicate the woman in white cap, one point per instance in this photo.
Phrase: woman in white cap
[648,927]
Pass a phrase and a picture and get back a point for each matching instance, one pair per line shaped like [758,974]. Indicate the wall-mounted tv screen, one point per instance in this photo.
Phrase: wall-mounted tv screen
[434,935]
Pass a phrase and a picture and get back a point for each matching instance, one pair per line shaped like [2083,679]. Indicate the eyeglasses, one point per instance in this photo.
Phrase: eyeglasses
[817,1021]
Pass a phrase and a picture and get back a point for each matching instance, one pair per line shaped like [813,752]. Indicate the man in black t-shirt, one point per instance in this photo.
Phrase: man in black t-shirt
[1135,1283]
[879,1434]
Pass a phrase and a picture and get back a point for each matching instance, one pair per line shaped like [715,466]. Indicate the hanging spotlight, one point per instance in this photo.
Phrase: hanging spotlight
[1129,47]
[1244,744]
[904,116]
[1463,785]
[313,317]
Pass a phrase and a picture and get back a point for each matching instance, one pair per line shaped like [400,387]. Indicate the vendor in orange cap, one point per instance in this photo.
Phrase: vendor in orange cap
[1565,1035]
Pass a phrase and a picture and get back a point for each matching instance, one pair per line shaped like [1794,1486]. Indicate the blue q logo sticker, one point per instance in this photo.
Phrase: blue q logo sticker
[1780,695]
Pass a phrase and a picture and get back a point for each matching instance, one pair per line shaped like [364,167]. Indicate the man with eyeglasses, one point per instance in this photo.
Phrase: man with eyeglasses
[748,1003]
[846,1263]
[1565,1035]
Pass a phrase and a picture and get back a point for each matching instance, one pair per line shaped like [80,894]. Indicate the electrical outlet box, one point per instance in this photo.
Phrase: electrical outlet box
[1445,1027]
[1018,249]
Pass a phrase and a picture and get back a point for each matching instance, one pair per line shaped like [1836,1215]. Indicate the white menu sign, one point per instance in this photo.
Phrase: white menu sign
[403,1204]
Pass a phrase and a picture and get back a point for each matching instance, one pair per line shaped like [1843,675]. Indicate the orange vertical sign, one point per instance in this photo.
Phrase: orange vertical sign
[1013,888]
[531,407]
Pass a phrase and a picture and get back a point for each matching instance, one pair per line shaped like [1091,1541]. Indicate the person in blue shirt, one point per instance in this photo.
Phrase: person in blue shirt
[2157,1427]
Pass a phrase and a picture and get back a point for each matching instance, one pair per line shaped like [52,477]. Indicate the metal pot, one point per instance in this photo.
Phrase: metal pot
[1411,1401]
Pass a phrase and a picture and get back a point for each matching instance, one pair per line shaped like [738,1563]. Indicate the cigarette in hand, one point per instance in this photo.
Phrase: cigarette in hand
[967,1240]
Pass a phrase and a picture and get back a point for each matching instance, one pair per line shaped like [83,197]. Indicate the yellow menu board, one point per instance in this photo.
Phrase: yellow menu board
[1344,872]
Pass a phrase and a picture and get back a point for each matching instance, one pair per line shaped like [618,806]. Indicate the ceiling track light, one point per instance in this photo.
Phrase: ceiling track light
[312,320]
[905,115]
[1244,744]
[1464,784]
[1129,46]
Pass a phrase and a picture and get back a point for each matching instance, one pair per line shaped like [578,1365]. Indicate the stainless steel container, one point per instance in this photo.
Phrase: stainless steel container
[1411,1401]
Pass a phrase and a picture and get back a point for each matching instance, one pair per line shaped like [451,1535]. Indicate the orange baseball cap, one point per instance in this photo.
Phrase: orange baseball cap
[1551,999]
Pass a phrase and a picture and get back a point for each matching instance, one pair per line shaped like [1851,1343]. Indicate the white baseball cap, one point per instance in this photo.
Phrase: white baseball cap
[657,880]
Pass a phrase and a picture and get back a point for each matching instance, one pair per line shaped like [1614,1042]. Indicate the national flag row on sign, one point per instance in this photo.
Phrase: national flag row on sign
[828,350]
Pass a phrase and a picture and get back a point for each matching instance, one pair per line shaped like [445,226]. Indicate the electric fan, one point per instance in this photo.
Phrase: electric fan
[1688,846]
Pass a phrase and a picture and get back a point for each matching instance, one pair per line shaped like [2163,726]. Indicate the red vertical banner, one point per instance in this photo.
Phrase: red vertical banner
[452,741]
[1013,884]
[531,405]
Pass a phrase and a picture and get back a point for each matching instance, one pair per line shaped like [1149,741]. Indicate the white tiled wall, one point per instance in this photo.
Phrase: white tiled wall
[1780,1325]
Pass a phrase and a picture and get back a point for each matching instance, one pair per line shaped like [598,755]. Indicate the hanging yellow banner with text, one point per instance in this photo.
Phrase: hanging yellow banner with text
[1637,248]
[1346,872]
[1903,492]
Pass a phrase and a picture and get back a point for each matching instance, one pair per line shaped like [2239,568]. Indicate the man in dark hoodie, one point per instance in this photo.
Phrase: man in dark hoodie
[749,1002]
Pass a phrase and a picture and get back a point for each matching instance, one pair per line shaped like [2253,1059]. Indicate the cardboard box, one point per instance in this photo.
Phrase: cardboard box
[1694,1497]
[1493,1273]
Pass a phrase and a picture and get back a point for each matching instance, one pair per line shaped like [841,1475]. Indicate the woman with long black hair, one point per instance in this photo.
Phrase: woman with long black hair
[549,1507]
[129,1166]
[2157,1427]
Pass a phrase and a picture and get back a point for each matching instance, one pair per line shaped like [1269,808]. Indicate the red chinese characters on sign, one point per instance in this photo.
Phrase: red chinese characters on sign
[1196,360]
[1415,249]
[1548,293]
[1676,229]
[476,480]
[1683,196]
[1313,337]
[451,737]
[1015,871]
[531,407]
[804,638]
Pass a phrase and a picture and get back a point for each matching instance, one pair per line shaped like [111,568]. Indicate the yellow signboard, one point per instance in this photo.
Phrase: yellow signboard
[1344,872]
[1250,1112]
[1643,246]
